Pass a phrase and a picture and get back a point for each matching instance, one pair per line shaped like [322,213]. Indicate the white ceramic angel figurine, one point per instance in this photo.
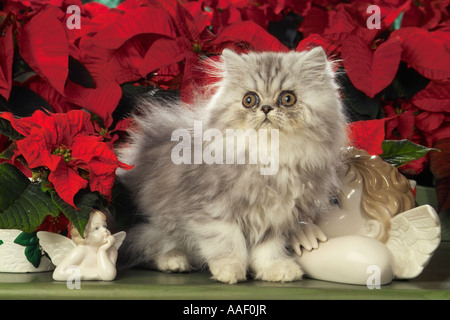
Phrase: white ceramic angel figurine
[95,255]
[373,224]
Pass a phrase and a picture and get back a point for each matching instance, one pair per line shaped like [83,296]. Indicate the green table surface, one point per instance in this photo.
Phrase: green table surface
[432,283]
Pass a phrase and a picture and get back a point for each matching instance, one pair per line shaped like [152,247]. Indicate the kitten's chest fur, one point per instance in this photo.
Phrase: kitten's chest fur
[261,205]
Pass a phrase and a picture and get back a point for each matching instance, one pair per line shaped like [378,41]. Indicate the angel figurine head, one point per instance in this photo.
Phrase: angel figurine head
[96,231]
[372,193]
[94,256]
[372,222]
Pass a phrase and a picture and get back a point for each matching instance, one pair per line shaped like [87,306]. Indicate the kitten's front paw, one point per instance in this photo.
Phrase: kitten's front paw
[228,270]
[173,261]
[279,270]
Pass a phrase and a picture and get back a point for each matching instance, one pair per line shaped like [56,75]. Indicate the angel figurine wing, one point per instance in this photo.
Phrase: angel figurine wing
[414,236]
[119,237]
[56,245]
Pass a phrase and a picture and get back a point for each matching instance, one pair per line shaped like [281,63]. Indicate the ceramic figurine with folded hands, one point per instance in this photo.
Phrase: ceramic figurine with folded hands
[373,222]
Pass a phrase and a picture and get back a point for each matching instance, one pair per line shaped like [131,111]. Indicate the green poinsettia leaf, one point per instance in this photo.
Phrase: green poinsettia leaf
[398,21]
[23,205]
[78,217]
[7,129]
[23,102]
[358,106]
[79,74]
[33,254]
[122,207]
[27,239]
[406,83]
[32,251]
[8,153]
[401,152]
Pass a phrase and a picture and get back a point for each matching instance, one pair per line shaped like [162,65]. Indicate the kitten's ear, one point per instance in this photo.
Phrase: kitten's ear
[315,60]
[231,59]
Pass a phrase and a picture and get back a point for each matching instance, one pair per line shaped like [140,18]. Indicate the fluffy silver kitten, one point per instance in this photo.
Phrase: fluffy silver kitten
[231,217]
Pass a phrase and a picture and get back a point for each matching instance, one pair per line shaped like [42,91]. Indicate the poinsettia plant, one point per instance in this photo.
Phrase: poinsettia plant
[69,72]
[64,155]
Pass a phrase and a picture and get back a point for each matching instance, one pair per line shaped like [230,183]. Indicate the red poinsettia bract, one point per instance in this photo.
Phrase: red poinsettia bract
[68,146]
[162,43]
[54,224]
[367,135]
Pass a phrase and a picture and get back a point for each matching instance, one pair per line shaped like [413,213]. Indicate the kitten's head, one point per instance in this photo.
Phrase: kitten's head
[291,92]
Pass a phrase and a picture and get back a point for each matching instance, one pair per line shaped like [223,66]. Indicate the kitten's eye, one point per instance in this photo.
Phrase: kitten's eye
[250,100]
[287,99]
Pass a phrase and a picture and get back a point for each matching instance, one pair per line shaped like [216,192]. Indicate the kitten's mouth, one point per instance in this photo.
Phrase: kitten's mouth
[267,122]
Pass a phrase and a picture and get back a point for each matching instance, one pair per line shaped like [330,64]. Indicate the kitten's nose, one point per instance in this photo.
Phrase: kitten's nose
[266,109]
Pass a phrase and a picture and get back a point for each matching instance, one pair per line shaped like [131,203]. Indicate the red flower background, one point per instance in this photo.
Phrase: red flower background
[81,79]
[65,144]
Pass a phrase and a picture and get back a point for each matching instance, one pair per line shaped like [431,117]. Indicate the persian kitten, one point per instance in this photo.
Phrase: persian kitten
[203,209]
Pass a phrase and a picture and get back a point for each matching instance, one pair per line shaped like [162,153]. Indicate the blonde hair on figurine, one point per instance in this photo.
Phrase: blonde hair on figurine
[386,192]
